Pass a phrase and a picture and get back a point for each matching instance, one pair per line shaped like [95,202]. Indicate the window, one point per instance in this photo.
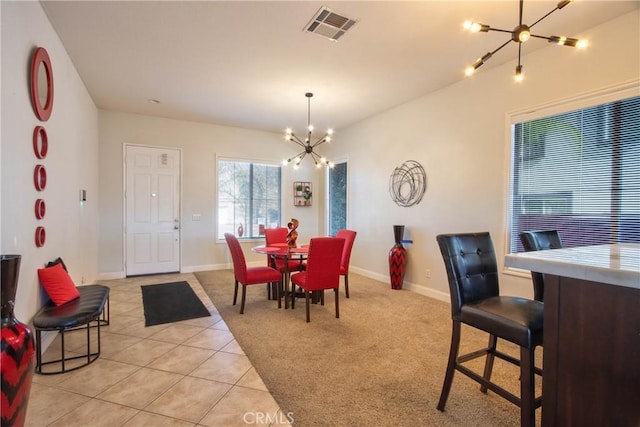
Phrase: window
[337,196]
[248,198]
[578,172]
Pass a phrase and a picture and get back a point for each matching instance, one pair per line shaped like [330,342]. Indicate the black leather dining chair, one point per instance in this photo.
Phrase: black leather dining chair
[539,241]
[472,272]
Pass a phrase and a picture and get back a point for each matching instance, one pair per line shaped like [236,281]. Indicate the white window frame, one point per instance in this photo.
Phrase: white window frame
[604,95]
[237,158]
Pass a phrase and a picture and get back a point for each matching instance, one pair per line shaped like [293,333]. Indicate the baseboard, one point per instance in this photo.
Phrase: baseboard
[413,287]
[47,338]
[111,276]
[207,267]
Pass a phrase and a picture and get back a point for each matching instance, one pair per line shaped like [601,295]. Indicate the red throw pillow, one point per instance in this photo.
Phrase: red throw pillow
[58,284]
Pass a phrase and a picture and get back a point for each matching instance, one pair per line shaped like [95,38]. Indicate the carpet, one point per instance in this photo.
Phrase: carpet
[171,302]
[381,363]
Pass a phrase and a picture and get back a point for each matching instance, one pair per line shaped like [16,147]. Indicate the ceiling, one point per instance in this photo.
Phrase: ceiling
[249,63]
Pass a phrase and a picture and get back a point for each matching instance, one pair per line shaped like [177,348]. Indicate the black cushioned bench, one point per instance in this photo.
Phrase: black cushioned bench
[90,310]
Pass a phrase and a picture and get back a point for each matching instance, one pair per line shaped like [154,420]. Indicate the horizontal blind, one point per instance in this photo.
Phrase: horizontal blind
[578,172]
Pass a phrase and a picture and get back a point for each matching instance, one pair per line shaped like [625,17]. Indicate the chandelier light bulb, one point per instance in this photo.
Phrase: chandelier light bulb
[475,27]
[524,36]
[295,167]
[327,138]
[310,128]
[318,165]
[582,44]
[519,76]
[329,131]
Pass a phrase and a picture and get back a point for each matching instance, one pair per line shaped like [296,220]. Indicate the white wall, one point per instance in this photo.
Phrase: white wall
[200,144]
[459,136]
[71,162]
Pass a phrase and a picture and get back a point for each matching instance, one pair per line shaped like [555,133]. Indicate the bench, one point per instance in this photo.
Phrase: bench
[90,310]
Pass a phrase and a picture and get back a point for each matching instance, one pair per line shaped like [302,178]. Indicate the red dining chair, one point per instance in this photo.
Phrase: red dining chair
[349,237]
[249,275]
[322,272]
[278,236]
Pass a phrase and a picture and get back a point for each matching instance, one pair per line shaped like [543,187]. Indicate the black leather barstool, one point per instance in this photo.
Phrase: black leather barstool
[540,241]
[472,271]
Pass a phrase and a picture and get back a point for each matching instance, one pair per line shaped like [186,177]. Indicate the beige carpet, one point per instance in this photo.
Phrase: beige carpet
[381,363]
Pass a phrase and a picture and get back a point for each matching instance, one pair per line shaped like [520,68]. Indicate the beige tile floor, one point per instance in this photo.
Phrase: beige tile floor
[188,373]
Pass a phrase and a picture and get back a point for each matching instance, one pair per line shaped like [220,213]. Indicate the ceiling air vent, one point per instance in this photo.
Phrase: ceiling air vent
[329,24]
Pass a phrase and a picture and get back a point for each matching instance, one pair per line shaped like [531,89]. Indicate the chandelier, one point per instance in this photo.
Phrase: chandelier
[520,34]
[306,144]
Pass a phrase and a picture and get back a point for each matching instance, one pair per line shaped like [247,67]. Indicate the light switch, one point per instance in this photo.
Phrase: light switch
[195,217]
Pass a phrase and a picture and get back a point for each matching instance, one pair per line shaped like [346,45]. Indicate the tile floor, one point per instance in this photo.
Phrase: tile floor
[188,373]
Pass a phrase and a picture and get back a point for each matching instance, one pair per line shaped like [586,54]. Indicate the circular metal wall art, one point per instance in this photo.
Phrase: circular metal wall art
[408,183]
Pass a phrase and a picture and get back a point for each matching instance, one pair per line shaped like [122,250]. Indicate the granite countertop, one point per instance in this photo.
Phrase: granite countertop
[617,264]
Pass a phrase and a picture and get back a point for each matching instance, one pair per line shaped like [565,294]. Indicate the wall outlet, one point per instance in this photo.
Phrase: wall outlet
[427,273]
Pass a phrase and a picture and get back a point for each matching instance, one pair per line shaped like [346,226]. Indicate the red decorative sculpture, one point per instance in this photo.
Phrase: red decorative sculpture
[292,236]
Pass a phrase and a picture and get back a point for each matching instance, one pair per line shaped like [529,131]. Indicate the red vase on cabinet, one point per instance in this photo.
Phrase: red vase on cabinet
[17,356]
[397,258]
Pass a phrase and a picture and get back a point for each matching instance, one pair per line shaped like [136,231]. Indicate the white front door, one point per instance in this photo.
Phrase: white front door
[152,203]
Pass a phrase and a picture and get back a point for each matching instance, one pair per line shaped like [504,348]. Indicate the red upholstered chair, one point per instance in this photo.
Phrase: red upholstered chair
[349,237]
[249,275]
[323,270]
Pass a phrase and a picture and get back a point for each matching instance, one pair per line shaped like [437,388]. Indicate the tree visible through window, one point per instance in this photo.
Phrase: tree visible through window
[579,173]
[337,198]
[248,198]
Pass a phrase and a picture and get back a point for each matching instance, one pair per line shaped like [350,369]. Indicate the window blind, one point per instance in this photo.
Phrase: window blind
[578,172]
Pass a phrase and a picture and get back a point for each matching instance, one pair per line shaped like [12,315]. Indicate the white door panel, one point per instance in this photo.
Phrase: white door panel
[152,210]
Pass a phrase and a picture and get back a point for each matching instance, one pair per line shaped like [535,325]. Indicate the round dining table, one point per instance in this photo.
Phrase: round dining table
[285,253]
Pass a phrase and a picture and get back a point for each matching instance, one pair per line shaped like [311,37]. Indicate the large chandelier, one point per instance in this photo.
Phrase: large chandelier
[306,144]
[520,34]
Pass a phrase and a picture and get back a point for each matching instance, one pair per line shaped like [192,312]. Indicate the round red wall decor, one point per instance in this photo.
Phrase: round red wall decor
[41,236]
[40,142]
[40,208]
[41,84]
[39,177]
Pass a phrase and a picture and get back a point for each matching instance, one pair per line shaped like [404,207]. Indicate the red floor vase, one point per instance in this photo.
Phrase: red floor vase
[17,357]
[397,258]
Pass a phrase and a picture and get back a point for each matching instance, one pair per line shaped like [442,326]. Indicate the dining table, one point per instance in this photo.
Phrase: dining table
[285,253]
[591,343]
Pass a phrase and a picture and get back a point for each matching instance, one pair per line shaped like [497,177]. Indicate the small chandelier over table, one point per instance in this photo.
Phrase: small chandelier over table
[520,34]
[307,144]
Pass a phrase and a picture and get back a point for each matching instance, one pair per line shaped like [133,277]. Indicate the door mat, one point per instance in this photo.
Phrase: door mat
[171,302]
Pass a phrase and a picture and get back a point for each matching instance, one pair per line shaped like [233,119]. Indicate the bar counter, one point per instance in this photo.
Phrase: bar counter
[591,346]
